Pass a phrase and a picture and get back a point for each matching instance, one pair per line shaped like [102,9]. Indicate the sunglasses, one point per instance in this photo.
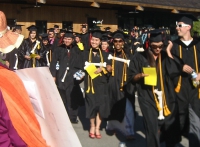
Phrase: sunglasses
[115,41]
[182,25]
[156,46]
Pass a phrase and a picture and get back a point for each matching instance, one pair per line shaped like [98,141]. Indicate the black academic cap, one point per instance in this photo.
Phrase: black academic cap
[32,28]
[97,33]
[78,35]
[19,27]
[56,26]
[51,29]
[156,35]
[62,30]
[69,34]
[107,28]
[186,18]
[84,25]
[104,39]
[119,34]
[45,36]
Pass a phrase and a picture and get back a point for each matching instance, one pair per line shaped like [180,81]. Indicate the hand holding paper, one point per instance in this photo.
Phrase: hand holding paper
[152,78]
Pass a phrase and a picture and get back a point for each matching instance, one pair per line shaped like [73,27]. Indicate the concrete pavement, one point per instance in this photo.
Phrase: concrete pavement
[113,140]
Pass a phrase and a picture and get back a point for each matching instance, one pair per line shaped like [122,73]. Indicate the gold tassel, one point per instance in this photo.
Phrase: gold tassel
[157,105]
[178,87]
[113,65]
[104,70]
[166,111]
[125,77]
[92,87]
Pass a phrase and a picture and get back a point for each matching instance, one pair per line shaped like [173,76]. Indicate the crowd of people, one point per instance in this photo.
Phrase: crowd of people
[113,64]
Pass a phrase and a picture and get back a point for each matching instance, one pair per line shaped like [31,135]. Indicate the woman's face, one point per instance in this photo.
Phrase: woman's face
[156,47]
[33,34]
[104,45]
[45,42]
[95,42]
[118,43]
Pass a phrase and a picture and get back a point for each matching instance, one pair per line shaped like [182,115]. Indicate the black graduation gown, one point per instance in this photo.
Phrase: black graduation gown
[97,102]
[170,125]
[47,48]
[70,85]
[117,97]
[85,39]
[188,93]
[11,58]
[26,49]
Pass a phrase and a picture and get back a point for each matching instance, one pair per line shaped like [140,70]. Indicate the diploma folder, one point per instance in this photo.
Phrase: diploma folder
[152,78]
[90,70]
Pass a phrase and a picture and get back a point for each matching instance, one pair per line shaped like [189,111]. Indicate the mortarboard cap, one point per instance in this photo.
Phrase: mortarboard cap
[78,35]
[19,27]
[156,35]
[107,28]
[51,29]
[69,34]
[62,30]
[32,28]
[186,18]
[119,34]
[56,26]
[97,33]
[45,36]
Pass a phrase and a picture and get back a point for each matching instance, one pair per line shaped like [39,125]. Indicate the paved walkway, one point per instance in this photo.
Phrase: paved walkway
[113,140]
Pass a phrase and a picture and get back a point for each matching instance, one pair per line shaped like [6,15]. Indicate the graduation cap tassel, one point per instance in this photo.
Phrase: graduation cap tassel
[38,46]
[113,65]
[166,111]
[92,86]
[88,90]
[156,100]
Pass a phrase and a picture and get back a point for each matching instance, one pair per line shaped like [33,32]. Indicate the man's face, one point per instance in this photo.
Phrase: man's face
[118,44]
[33,34]
[95,42]
[182,29]
[156,47]
[51,34]
[68,41]
[56,30]
[84,30]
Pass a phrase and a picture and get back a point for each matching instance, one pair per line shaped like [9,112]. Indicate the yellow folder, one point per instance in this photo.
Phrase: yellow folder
[90,70]
[80,45]
[152,78]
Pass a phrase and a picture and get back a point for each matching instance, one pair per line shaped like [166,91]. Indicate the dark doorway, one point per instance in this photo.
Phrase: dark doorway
[42,26]
[11,22]
[90,22]
[66,24]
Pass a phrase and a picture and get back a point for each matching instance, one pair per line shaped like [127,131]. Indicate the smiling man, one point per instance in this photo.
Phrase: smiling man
[188,49]
[68,56]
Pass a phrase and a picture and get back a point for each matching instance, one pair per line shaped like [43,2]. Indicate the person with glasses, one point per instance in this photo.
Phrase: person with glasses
[119,98]
[160,111]
[188,96]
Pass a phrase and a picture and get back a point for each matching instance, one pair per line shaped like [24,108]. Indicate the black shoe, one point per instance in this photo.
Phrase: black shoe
[74,121]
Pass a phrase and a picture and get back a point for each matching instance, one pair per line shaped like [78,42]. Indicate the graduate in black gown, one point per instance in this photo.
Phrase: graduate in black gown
[117,80]
[188,50]
[31,50]
[96,90]
[157,128]
[68,55]
[48,53]
[85,36]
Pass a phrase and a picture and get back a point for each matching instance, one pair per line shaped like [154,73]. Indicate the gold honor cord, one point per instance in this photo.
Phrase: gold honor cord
[165,108]
[90,82]
[124,74]
[178,87]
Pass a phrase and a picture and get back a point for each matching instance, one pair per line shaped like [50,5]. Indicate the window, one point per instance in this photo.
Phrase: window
[66,24]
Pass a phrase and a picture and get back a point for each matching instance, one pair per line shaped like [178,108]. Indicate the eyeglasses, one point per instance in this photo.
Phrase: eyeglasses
[115,41]
[156,46]
[181,25]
